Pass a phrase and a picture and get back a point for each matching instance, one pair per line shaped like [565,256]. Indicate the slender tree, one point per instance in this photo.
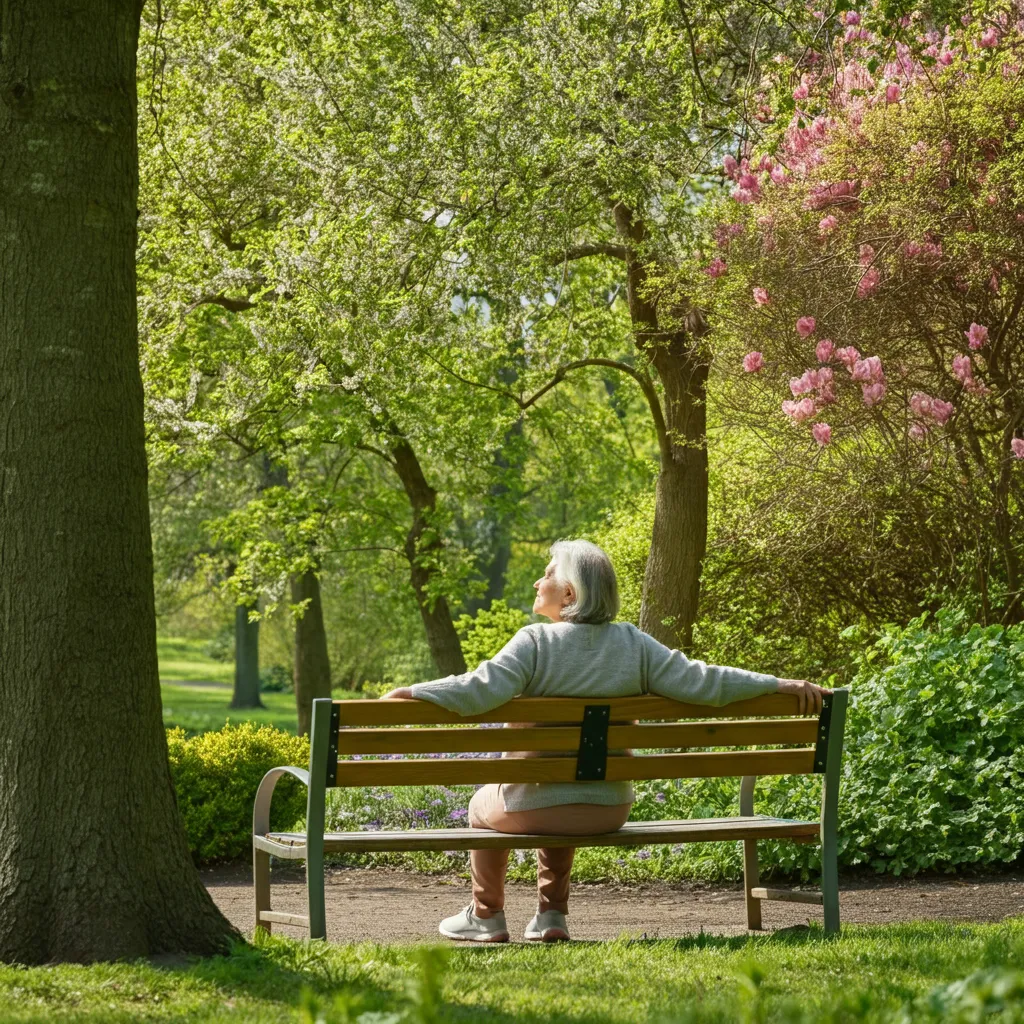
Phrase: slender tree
[94,863]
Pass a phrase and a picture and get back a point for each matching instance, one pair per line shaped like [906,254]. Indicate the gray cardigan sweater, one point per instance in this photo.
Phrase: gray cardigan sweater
[566,659]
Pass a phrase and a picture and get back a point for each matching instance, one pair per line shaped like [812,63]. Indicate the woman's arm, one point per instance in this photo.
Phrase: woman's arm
[671,674]
[492,683]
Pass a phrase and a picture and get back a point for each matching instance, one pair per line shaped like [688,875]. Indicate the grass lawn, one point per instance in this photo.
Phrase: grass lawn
[892,973]
[203,704]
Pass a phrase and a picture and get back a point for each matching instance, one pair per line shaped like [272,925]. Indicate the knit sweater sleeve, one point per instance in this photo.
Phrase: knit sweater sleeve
[491,684]
[670,673]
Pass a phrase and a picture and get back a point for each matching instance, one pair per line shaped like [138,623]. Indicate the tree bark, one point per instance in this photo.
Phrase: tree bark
[312,663]
[422,546]
[672,343]
[247,660]
[94,863]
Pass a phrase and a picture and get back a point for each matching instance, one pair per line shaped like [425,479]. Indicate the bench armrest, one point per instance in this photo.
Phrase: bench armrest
[265,792]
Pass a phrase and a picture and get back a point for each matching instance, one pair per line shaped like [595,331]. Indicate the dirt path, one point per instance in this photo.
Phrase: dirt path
[391,906]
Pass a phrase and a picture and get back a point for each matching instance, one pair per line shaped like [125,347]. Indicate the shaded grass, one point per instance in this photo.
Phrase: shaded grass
[891,973]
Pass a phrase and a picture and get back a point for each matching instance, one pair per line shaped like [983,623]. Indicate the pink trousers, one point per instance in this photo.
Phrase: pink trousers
[488,867]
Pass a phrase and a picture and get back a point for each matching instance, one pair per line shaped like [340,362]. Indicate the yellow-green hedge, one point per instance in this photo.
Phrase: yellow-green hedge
[216,775]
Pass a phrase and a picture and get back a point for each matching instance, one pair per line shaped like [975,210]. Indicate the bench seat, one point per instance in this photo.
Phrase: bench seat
[292,845]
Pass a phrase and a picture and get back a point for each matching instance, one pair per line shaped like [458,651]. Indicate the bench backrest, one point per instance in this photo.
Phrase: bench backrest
[364,742]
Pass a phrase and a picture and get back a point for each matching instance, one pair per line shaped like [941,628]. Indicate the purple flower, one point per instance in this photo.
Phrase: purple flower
[371,826]
[620,861]
[660,797]
[643,855]
[420,814]
[461,813]
[387,796]
[436,803]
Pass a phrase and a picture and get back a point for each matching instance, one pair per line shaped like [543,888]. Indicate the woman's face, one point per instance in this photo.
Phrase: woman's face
[552,596]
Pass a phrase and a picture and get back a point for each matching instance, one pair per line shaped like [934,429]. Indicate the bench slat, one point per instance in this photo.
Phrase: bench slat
[465,771]
[645,737]
[559,709]
[633,833]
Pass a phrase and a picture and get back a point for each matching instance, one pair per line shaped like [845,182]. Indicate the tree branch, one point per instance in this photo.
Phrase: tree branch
[579,252]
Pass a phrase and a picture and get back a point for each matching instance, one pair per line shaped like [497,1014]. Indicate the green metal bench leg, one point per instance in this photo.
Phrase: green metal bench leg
[830,814]
[261,888]
[315,813]
[750,869]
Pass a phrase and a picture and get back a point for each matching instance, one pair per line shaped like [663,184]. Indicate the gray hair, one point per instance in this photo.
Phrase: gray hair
[588,570]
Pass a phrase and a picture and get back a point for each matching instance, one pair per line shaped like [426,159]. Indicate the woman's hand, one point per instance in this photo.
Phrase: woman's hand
[808,695]
[402,693]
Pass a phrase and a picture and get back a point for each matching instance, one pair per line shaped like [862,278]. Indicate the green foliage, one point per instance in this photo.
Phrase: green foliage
[484,634]
[936,773]
[216,775]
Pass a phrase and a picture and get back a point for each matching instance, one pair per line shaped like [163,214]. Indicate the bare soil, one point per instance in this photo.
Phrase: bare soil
[393,906]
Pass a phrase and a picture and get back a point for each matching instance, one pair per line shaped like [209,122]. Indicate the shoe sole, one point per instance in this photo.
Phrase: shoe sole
[497,937]
[548,935]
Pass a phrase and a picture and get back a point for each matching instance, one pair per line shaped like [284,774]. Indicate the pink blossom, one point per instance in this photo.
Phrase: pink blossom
[730,166]
[753,362]
[869,369]
[832,194]
[825,350]
[801,385]
[917,431]
[799,411]
[892,92]
[989,38]
[946,58]
[921,404]
[1017,447]
[778,175]
[869,283]
[873,393]
[761,296]
[716,268]
[822,433]
[976,336]
[851,18]
[941,411]
[803,90]
[866,255]
[848,356]
[743,195]
[826,394]
[766,163]
[805,326]
[749,182]
[827,225]
[962,368]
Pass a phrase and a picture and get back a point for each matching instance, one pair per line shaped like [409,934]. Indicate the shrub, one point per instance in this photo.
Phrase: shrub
[484,634]
[216,775]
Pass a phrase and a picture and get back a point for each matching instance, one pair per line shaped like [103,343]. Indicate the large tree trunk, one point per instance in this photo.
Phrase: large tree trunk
[672,341]
[247,660]
[679,537]
[94,862]
[422,547]
[312,664]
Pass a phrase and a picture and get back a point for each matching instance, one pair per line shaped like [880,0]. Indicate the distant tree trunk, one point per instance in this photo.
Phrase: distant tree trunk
[94,864]
[312,663]
[247,660]
[672,341]
[422,546]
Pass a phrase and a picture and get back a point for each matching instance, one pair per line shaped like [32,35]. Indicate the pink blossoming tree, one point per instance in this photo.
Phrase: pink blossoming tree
[886,222]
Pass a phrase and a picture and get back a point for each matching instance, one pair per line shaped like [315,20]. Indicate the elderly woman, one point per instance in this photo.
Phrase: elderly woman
[580,653]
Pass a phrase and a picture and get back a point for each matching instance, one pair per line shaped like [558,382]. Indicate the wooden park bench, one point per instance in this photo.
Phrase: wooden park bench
[587,726]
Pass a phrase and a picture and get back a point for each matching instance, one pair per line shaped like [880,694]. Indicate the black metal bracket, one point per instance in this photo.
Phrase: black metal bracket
[332,746]
[821,747]
[592,755]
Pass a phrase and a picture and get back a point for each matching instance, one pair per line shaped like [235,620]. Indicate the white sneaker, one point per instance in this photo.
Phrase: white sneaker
[548,926]
[467,927]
